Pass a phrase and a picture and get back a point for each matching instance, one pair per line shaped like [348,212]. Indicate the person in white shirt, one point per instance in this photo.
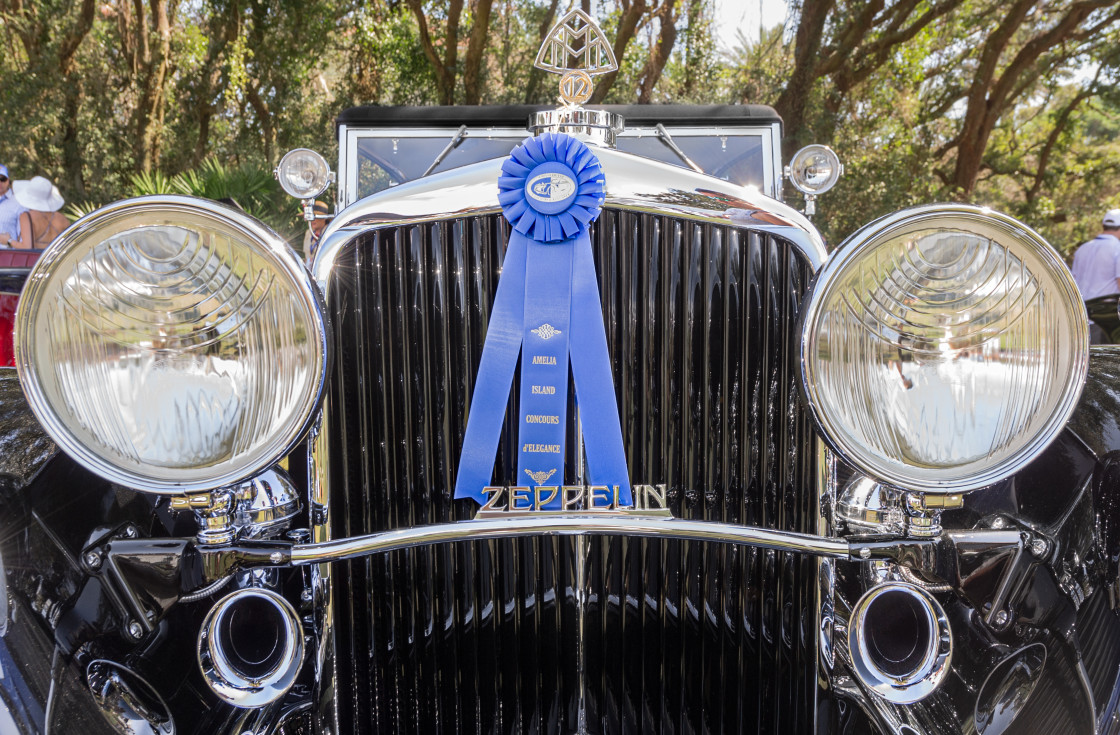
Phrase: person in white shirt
[1096,264]
[10,210]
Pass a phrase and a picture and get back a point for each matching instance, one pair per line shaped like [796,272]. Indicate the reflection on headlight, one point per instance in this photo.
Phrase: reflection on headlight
[173,346]
[943,347]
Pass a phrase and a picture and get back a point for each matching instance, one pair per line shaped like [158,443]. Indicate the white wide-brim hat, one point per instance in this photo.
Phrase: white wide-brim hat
[38,193]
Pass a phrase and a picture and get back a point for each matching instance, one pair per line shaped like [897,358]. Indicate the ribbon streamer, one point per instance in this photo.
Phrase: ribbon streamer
[546,309]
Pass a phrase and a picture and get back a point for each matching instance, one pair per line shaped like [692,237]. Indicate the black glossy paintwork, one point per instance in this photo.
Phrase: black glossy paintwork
[1096,425]
[1068,496]
[551,634]
[1105,319]
[62,617]
[24,446]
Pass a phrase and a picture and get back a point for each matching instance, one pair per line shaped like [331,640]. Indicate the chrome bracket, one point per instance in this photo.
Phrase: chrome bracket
[256,508]
[868,506]
[214,512]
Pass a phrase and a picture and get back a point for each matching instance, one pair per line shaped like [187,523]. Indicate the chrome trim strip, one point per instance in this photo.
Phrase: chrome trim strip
[824,603]
[633,183]
[325,693]
[565,524]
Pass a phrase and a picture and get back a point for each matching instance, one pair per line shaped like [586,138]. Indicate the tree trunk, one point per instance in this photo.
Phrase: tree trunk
[794,99]
[152,80]
[990,95]
[264,115]
[223,29]
[632,12]
[445,67]
[72,158]
[535,74]
[472,65]
[659,54]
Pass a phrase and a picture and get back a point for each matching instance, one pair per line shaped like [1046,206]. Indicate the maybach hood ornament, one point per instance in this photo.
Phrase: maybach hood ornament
[576,38]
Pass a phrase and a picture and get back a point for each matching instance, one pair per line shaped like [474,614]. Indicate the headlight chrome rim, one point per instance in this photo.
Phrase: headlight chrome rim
[914,220]
[281,257]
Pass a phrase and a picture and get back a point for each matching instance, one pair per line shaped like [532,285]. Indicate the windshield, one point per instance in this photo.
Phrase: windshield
[385,159]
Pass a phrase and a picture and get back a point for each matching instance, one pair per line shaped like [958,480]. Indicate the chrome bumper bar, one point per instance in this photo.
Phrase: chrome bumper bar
[574,524]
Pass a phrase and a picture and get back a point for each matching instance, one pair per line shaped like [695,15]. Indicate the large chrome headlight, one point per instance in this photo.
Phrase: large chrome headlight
[171,344]
[944,347]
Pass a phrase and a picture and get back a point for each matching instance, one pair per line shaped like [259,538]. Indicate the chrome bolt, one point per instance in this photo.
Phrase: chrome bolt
[865,553]
[92,560]
[130,531]
[276,557]
[135,630]
[998,522]
[1039,547]
[1002,619]
[299,535]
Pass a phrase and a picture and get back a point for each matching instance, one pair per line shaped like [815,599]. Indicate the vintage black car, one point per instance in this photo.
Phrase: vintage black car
[773,490]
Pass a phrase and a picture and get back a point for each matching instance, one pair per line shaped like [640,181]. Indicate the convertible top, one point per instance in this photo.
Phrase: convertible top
[518,115]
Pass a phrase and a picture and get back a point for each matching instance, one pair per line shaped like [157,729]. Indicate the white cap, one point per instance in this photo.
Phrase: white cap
[1112,219]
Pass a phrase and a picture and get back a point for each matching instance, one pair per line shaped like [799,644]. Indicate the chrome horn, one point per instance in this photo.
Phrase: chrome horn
[900,642]
[250,647]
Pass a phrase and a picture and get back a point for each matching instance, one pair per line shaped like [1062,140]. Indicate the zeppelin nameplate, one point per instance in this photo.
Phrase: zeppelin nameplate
[649,500]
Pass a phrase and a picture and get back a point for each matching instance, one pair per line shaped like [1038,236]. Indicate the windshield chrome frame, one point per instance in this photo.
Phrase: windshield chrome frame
[770,134]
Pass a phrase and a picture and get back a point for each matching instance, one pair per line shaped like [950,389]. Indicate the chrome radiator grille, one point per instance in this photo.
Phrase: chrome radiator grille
[576,634]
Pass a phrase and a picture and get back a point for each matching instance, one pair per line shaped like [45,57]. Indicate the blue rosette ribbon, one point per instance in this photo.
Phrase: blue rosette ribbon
[547,310]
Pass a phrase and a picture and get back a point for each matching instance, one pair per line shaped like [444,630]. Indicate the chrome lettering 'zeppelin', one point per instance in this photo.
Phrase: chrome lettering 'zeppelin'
[551,187]
[649,500]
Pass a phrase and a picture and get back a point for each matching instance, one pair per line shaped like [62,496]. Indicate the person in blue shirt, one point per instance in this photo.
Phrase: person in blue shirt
[1096,264]
[10,210]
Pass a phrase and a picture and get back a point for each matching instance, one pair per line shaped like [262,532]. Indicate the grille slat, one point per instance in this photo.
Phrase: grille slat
[562,634]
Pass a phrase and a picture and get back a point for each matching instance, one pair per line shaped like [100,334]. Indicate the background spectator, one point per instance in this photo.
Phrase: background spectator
[1096,264]
[42,222]
[10,210]
[315,229]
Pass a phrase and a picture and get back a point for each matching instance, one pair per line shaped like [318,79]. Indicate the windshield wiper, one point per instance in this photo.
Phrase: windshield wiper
[668,140]
[455,141]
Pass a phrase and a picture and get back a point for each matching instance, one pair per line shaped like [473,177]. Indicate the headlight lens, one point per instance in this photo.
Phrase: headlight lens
[171,344]
[944,346]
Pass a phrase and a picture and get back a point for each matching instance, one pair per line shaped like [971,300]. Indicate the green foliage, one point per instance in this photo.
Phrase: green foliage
[147,183]
[248,81]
